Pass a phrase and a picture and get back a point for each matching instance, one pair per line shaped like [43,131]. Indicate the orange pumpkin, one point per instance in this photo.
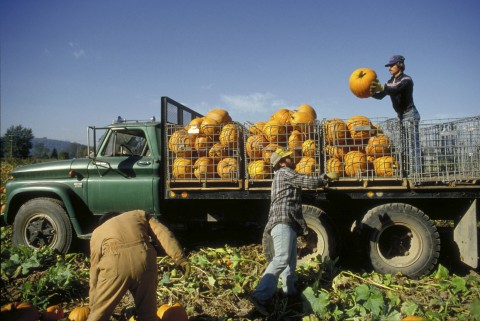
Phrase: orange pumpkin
[275,131]
[360,127]
[282,115]
[218,152]
[257,128]
[195,123]
[308,147]
[255,145]
[227,168]
[267,152]
[19,311]
[181,143]
[414,318]
[304,108]
[53,313]
[335,131]
[210,126]
[378,146]
[221,116]
[79,313]
[335,165]
[204,167]
[203,143]
[295,140]
[303,122]
[385,166]
[182,168]
[229,135]
[174,312]
[335,151]
[355,163]
[306,166]
[258,170]
[360,81]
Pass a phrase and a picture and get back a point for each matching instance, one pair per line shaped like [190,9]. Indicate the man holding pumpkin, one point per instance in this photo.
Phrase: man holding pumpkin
[400,89]
[285,222]
[122,258]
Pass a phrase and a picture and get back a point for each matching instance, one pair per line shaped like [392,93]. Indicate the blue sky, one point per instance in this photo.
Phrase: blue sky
[69,64]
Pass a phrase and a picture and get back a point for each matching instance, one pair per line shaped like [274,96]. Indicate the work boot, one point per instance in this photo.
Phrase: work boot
[260,307]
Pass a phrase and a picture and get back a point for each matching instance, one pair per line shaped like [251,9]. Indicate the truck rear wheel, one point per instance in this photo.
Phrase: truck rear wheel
[320,240]
[400,238]
[43,222]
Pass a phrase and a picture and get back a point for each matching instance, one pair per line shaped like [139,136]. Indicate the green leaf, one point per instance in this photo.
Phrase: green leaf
[318,304]
[475,310]
[459,284]
[211,281]
[442,272]
[409,308]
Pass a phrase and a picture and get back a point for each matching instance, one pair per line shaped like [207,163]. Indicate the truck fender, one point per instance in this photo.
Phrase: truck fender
[466,237]
[20,195]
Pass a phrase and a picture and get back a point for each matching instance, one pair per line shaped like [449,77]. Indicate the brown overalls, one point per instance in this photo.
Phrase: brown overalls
[123,259]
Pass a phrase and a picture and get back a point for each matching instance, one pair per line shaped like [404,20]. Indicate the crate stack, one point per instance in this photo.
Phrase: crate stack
[358,149]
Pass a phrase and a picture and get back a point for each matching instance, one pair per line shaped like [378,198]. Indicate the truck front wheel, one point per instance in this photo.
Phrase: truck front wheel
[43,222]
[400,238]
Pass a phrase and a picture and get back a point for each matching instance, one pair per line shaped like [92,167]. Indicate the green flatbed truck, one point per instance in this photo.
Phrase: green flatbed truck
[389,218]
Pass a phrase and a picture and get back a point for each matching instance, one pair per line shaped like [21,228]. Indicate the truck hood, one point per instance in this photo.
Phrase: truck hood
[49,170]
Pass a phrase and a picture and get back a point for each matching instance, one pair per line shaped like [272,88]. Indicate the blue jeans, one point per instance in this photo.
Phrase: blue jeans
[283,263]
[411,143]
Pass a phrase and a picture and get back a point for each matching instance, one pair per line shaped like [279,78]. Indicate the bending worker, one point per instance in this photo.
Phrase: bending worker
[122,258]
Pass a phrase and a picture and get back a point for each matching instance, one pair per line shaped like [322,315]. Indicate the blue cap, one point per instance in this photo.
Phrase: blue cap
[395,60]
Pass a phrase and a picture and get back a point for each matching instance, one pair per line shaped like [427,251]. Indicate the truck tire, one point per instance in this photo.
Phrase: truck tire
[400,238]
[320,240]
[43,222]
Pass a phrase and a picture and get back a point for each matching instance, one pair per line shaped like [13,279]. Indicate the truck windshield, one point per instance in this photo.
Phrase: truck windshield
[125,143]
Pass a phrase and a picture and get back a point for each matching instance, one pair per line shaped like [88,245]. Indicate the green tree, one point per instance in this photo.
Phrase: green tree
[54,153]
[40,151]
[17,141]
[63,155]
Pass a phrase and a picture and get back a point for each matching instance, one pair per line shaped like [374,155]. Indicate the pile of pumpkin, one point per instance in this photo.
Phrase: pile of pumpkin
[291,130]
[22,311]
[357,145]
[207,148]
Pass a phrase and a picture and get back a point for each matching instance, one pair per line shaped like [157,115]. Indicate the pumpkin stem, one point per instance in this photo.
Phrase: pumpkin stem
[361,74]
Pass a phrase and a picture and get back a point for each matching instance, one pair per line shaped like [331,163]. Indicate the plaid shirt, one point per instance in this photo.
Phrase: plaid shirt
[286,202]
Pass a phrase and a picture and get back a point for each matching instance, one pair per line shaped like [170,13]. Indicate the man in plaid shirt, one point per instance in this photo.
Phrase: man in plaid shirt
[285,223]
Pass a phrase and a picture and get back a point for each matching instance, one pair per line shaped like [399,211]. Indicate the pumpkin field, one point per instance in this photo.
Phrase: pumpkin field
[43,285]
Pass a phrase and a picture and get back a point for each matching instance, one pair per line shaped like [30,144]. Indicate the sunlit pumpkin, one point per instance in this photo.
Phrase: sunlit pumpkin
[229,135]
[282,115]
[304,108]
[274,131]
[258,170]
[255,145]
[360,81]
[181,143]
[203,143]
[385,166]
[306,166]
[378,146]
[79,313]
[308,147]
[257,128]
[19,311]
[360,127]
[221,116]
[182,168]
[195,124]
[335,151]
[335,165]
[174,312]
[335,131]
[228,168]
[210,126]
[303,122]
[204,167]
[295,140]
[267,152]
[355,163]
[218,152]
[53,313]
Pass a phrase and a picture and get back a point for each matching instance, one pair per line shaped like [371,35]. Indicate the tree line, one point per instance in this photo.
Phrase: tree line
[18,143]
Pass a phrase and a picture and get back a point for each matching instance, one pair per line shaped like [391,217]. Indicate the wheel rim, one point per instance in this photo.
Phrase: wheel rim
[311,246]
[40,231]
[399,245]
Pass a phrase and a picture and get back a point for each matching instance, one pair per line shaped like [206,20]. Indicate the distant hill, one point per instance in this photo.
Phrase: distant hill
[41,146]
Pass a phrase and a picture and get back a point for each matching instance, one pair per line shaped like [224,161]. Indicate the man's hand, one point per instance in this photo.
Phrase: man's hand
[185,266]
[375,86]
[332,176]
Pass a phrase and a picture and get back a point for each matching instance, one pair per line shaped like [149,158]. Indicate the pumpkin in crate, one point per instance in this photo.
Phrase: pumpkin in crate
[53,313]
[210,126]
[258,170]
[227,168]
[360,128]
[255,145]
[274,131]
[335,151]
[181,143]
[385,166]
[378,146]
[360,81]
[335,165]
[221,116]
[355,163]
[304,108]
[182,168]
[218,152]
[303,122]
[267,152]
[282,115]
[335,131]
[295,140]
[79,313]
[257,128]
[194,124]
[306,166]
[229,135]
[172,312]
[308,147]
[203,143]
[19,311]
[204,167]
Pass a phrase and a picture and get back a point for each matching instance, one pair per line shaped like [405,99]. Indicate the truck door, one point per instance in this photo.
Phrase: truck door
[121,176]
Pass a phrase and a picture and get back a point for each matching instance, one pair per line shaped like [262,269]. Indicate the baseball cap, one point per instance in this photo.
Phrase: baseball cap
[395,60]
[278,155]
